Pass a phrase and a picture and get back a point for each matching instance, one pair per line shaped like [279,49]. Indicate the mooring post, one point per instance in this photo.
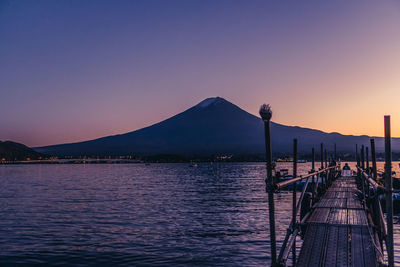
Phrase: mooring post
[367,171]
[388,197]
[367,159]
[361,177]
[322,163]
[266,114]
[376,204]
[326,166]
[313,170]
[335,155]
[357,157]
[322,156]
[362,158]
[373,156]
[294,199]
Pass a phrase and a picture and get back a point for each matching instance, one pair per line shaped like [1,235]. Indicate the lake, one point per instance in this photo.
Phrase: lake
[133,214]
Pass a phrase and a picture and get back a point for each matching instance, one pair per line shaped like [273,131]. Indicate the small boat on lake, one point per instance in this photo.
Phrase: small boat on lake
[193,164]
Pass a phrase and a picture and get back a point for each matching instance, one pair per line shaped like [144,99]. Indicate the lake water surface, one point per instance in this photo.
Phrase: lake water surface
[132,214]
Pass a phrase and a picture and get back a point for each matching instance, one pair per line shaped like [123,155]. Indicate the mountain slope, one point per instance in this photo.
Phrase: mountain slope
[214,126]
[16,151]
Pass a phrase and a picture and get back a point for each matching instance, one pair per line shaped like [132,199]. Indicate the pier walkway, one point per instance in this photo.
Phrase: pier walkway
[338,232]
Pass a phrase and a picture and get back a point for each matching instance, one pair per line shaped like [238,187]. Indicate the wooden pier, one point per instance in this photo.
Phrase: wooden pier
[338,213]
[338,232]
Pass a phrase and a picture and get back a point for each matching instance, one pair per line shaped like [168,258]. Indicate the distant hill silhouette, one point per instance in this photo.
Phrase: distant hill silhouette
[16,151]
[214,126]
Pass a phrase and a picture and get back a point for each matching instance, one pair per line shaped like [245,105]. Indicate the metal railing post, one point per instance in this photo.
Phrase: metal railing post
[294,200]
[266,114]
[388,185]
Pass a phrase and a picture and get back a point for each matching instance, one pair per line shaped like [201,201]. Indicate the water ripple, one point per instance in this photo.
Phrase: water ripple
[162,214]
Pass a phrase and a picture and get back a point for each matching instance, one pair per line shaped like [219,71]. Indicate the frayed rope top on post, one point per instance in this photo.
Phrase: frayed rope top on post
[265,112]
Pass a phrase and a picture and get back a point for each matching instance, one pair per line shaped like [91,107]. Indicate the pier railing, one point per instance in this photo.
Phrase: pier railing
[316,182]
[372,190]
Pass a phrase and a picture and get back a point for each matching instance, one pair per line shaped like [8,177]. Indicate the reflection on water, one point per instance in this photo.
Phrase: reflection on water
[162,214]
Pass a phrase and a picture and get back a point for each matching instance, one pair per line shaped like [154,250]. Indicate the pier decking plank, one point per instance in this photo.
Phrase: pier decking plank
[332,245]
[337,231]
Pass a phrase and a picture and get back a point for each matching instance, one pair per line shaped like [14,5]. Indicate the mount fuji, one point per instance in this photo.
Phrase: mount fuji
[214,126]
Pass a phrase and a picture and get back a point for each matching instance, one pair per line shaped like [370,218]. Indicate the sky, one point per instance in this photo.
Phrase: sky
[78,70]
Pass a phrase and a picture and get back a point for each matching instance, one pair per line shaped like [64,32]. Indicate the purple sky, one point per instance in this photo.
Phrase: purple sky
[77,70]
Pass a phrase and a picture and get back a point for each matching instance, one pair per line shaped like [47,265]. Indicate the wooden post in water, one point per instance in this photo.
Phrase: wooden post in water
[326,165]
[373,156]
[313,170]
[362,158]
[357,157]
[322,163]
[266,114]
[322,156]
[376,205]
[388,194]
[335,155]
[367,171]
[313,160]
[367,159]
[294,199]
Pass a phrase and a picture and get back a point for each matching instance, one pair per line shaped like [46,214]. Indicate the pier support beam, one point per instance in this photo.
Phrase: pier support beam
[313,170]
[335,155]
[266,114]
[322,156]
[362,158]
[367,159]
[357,157]
[388,195]
[294,202]
[373,156]
[322,164]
